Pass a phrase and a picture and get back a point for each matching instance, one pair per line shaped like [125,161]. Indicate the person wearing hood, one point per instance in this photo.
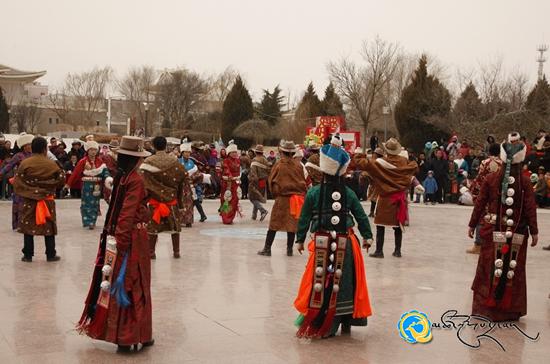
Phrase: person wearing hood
[24,143]
[92,174]
[506,203]
[333,292]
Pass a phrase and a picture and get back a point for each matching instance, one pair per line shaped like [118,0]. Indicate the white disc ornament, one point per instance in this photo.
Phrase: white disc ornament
[510,192]
[317,287]
[335,288]
[336,206]
[498,272]
[511,180]
[509,234]
[333,247]
[513,264]
[509,201]
[331,258]
[105,286]
[499,263]
[338,273]
[227,195]
[510,274]
[330,269]
[509,212]
[335,220]
[336,196]
[319,271]
[510,222]
[107,270]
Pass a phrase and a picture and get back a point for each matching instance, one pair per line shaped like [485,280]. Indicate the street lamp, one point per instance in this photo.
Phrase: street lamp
[386,112]
[146,104]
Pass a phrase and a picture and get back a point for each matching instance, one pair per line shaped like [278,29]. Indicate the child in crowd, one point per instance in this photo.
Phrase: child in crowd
[430,187]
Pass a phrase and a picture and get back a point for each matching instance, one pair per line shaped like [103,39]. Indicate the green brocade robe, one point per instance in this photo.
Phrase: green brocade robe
[309,222]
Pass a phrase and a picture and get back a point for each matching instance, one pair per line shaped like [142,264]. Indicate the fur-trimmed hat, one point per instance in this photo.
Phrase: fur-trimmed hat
[91,144]
[336,140]
[24,139]
[185,147]
[232,147]
[513,148]
[333,160]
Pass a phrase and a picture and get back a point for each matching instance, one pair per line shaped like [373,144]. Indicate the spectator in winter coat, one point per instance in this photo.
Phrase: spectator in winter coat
[430,188]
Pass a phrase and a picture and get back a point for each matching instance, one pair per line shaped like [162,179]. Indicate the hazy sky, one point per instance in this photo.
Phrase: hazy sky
[270,42]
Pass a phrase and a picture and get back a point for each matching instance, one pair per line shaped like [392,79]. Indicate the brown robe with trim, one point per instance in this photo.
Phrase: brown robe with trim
[259,170]
[164,177]
[286,179]
[388,180]
[37,178]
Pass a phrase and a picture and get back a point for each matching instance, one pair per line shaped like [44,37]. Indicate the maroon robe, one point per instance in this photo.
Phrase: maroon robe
[230,177]
[133,324]
[525,218]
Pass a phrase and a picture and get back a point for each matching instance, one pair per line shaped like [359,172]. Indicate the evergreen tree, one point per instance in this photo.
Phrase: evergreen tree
[423,104]
[4,115]
[331,104]
[237,108]
[469,106]
[538,100]
[309,107]
[271,105]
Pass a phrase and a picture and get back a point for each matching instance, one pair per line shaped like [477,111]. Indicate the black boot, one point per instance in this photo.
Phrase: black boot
[198,205]
[176,245]
[152,246]
[379,253]
[266,251]
[398,240]
[289,243]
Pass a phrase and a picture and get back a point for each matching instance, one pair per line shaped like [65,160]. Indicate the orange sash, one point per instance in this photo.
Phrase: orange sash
[42,212]
[296,203]
[361,304]
[161,209]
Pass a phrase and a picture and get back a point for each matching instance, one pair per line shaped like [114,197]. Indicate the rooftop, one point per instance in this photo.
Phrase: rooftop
[9,73]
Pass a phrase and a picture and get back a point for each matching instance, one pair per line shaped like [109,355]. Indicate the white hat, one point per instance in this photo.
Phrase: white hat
[231,148]
[336,140]
[299,154]
[514,146]
[24,139]
[91,145]
[185,147]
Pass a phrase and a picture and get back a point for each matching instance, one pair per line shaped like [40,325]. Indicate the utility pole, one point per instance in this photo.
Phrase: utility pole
[541,49]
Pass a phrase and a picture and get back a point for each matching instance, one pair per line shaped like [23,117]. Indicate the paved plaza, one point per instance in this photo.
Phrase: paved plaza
[222,303]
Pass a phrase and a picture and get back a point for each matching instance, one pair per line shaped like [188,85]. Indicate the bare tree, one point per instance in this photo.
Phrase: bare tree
[88,92]
[221,84]
[180,93]
[361,85]
[137,86]
[515,92]
[59,103]
[26,115]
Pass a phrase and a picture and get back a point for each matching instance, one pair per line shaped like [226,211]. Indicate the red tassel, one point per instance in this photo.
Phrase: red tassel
[507,299]
[327,324]
[306,328]
[96,328]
